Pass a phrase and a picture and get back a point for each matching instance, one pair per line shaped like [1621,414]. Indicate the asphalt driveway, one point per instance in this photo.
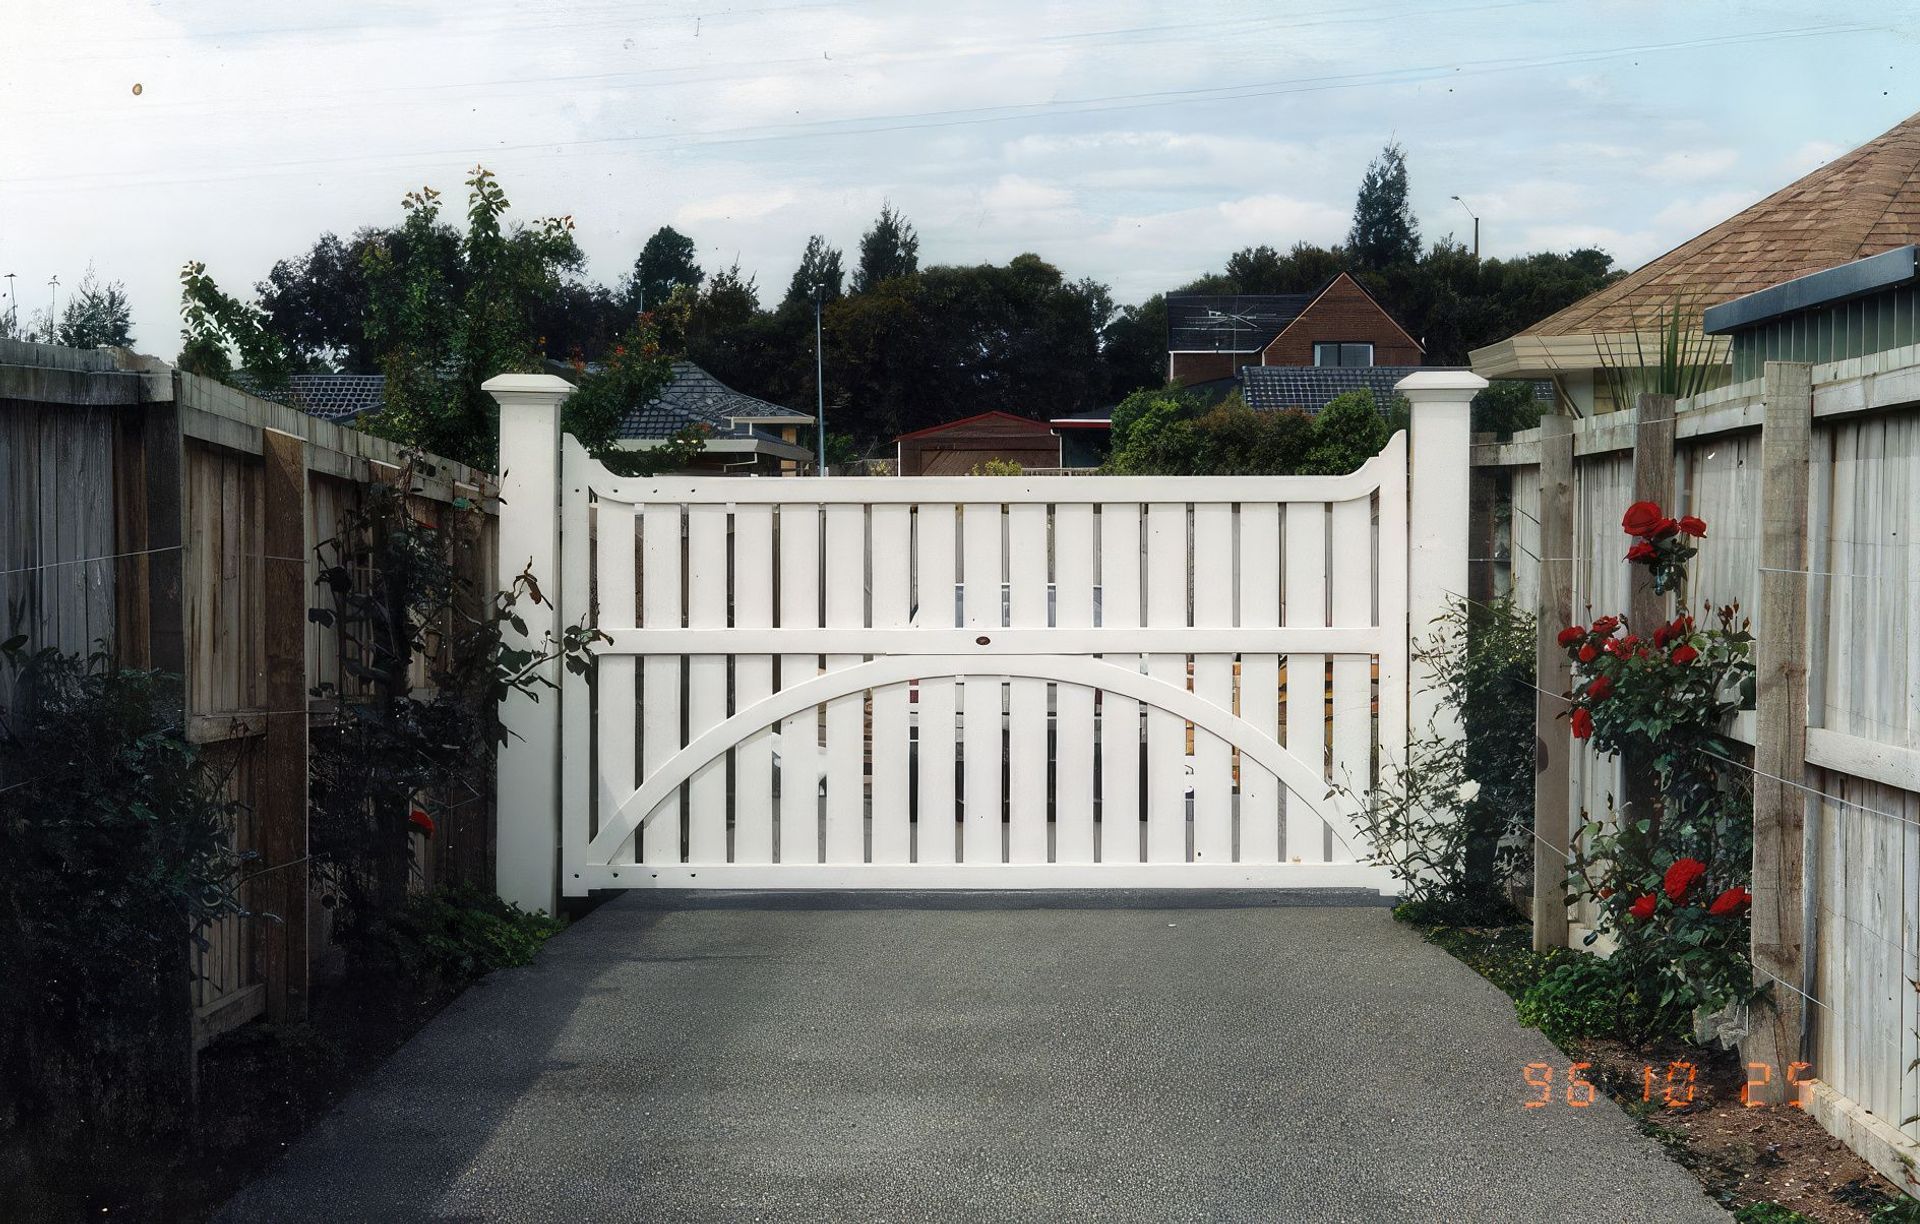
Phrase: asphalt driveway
[1263,1062]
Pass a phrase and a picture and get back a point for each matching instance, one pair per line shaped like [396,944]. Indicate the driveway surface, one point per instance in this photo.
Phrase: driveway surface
[1258,1060]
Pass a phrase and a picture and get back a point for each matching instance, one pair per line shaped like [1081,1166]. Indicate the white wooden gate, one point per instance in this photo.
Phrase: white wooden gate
[973,682]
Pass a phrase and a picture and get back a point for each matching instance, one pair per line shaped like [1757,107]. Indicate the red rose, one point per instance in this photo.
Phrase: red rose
[1680,878]
[1604,893]
[1642,551]
[1660,638]
[1695,527]
[1640,518]
[1684,654]
[1733,901]
[1606,625]
[1664,528]
[1600,689]
[1588,654]
[1643,908]
[421,821]
[1582,723]
[1571,634]
[1681,626]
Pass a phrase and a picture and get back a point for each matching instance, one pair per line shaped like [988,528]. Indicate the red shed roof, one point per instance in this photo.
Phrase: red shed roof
[1007,418]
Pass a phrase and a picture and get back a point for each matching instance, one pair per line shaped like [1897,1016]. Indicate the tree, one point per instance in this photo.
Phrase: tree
[1384,233]
[819,266]
[889,250]
[1133,347]
[665,264]
[316,303]
[96,315]
[1346,433]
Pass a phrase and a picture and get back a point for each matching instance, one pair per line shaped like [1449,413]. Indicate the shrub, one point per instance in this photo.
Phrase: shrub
[1590,997]
[116,851]
[458,934]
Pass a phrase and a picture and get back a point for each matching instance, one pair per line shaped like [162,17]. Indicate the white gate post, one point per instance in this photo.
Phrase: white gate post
[527,785]
[1437,528]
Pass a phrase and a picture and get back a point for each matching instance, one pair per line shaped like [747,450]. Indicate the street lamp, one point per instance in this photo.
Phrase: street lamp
[1476,225]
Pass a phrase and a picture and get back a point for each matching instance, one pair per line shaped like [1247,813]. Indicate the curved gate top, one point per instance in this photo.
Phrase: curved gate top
[967,682]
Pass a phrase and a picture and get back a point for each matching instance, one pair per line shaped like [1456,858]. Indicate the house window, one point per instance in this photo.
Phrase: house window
[1342,353]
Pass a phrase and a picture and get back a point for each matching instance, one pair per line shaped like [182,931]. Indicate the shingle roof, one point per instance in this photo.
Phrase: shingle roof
[1858,204]
[1311,388]
[1230,322]
[336,397]
[695,397]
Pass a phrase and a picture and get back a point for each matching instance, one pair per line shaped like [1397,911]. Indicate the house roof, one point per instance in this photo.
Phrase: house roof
[695,397]
[332,397]
[1858,204]
[1001,420]
[1230,322]
[1311,388]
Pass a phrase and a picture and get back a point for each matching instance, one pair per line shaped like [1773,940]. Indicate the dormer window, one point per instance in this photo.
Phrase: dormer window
[1342,353]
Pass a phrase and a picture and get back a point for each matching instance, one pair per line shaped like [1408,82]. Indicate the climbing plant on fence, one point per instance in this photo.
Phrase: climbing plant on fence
[1670,884]
[423,668]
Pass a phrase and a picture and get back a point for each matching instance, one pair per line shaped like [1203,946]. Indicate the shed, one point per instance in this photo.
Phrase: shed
[956,448]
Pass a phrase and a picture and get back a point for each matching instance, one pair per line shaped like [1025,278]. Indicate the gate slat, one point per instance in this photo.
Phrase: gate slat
[798,836]
[1213,682]
[753,682]
[934,838]
[578,784]
[707,679]
[980,696]
[1352,600]
[1120,716]
[1027,698]
[1394,648]
[1073,566]
[846,597]
[1166,733]
[1306,604]
[614,551]
[660,722]
[1259,570]
[889,797]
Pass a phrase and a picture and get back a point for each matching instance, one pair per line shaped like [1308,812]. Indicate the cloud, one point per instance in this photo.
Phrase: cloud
[1692,166]
[743,205]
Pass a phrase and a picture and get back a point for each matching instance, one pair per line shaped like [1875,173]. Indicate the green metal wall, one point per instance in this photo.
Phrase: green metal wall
[1865,325]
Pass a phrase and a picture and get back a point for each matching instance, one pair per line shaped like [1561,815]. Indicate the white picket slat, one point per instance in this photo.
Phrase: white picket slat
[753,682]
[1120,812]
[798,837]
[846,596]
[889,801]
[1213,581]
[1167,732]
[707,679]
[981,697]
[1306,604]
[1259,573]
[1027,698]
[660,676]
[1352,604]
[1073,573]
[936,701]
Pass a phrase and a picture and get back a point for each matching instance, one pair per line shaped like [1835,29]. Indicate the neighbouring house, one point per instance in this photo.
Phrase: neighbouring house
[1213,336]
[957,448]
[1859,204]
[746,436]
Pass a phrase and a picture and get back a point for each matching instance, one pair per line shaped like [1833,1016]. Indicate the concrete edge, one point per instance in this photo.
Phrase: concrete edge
[1000,899]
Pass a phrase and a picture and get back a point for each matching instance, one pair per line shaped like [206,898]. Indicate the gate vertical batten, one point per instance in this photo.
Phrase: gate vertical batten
[1059,611]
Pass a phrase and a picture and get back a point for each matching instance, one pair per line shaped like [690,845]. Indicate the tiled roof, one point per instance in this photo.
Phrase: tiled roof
[336,397]
[695,397]
[1230,322]
[1858,204]
[1311,388]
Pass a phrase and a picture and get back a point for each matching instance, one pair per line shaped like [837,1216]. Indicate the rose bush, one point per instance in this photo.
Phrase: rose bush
[1669,885]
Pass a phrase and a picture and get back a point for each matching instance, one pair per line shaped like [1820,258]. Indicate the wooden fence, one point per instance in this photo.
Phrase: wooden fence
[174,521]
[1809,479]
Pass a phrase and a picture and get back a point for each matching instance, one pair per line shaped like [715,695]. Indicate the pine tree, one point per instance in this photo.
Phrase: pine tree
[665,264]
[97,315]
[819,265]
[890,249]
[1384,233]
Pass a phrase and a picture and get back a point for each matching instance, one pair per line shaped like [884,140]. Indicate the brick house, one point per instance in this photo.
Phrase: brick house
[1211,336]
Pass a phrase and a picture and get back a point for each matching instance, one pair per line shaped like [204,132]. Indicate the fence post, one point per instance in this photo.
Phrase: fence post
[1780,740]
[527,790]
[281,793]
[1437,529]
[1553,675]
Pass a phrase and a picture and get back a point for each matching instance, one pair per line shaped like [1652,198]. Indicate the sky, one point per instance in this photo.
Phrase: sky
[1136,143]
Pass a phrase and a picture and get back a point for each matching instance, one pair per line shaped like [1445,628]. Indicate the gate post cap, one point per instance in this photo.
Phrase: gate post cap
[1441,386]
[527,386]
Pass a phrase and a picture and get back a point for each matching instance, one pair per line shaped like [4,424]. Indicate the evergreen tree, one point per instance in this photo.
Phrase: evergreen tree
[96,315]
[1384,233]
[890,249]
[665,263]
[819,265]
